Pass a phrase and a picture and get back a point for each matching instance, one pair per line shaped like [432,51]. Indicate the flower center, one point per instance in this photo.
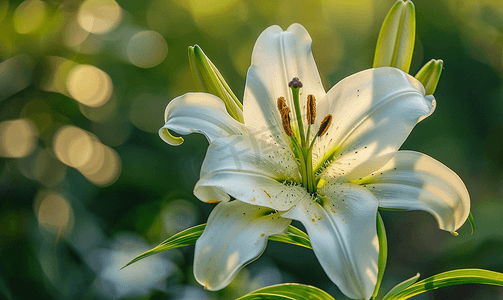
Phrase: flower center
[302,146]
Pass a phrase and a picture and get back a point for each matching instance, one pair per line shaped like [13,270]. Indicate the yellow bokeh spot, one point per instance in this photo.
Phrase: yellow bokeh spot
[73,146]
[147,49]
[17,138]
[89,85]
[29,16]
[105,166]
[74,35]
[99,16]
[54,213]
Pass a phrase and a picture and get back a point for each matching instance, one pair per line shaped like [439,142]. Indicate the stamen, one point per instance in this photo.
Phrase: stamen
[311,109]
[325,124]
[284,111]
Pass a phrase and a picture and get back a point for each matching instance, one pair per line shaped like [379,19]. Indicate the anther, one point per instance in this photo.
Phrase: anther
[325,124]
[295,83]
[311,109]
[284,111]
[281,103]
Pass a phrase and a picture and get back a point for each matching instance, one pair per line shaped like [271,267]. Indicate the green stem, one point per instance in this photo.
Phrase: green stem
[302,163]
[296,103]
[311,179]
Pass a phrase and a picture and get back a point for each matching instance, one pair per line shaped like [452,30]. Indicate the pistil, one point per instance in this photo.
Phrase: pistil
[295,85]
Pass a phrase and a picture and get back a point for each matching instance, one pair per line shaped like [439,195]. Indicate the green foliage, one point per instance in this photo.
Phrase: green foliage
[288,291]
[472,222]
[401,286]
[383,253]
[189,237]
[450,278]
[293,236]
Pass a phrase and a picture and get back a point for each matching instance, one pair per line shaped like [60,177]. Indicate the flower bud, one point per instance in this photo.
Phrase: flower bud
[209,80]
[395,44]
[430,74]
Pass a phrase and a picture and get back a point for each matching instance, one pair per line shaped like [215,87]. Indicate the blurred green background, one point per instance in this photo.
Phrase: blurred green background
[86,184]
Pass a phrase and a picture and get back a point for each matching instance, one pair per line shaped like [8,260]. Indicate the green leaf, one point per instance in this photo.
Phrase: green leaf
[429,75]
[401,286]
[450,278]
[208,79]
[383,253]
[181,239]
[288,291]
[293,236]
[189,237]
[472,222]
[395,44]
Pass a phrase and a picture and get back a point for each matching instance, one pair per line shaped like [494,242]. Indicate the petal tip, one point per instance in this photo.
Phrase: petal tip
[169,138]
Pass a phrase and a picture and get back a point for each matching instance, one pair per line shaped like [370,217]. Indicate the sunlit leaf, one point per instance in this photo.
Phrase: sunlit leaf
[383,253]
[450,278]
[288,291]
[401,286]
[189,237]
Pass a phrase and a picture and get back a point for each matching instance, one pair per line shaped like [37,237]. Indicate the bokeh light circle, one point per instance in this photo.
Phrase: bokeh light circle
[73,146]
[29,16]
[99,16]
[17,138]
[105,166]
[54,213]
[147,49]
[89,85]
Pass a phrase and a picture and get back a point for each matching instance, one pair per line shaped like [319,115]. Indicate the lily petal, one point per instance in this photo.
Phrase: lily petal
[278,56]
[198,112]
[373,111]
[252,171]
[343,235]
[415,181]
[236,234]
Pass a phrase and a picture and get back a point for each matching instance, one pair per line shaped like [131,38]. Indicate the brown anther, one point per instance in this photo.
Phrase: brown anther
[311,109]
[325,124]
[284,111]
[285,119]
[281,103]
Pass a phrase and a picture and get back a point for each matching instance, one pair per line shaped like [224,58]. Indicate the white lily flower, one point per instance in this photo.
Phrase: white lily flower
[329,173]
